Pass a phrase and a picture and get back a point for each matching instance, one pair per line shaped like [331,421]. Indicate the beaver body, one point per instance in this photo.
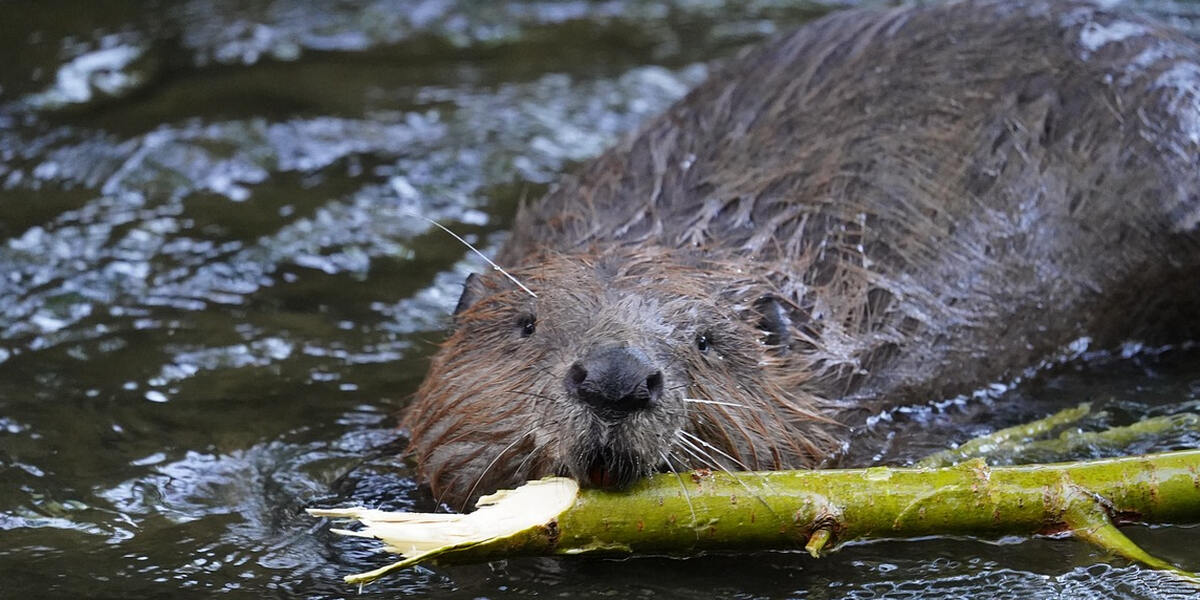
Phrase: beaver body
[882,207]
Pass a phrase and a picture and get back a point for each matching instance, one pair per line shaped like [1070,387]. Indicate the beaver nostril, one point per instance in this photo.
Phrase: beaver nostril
[654,385]
[576,375]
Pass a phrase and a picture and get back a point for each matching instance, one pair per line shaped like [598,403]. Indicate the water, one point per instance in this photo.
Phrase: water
[214,299]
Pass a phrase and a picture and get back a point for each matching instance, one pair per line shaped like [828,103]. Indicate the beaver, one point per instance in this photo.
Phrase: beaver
[883,207]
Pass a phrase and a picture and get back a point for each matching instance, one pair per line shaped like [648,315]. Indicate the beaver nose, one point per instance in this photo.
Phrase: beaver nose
[615,381]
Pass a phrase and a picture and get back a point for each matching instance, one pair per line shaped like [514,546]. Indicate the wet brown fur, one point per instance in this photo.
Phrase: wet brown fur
[939,197]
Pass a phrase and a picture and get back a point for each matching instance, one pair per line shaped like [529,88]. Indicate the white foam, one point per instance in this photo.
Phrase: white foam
[1094,36]
[98,71]
[1182,85]
[1153,54]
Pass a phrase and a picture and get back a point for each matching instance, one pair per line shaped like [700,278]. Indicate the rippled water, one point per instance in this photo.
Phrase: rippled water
[214,297]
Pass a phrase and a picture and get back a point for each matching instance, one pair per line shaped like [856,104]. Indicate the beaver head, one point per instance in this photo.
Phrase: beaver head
[626,362]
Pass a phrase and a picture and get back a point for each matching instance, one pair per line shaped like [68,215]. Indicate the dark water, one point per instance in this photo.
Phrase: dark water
[214,298]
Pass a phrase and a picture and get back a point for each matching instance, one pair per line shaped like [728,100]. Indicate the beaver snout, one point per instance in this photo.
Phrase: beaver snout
[615,381]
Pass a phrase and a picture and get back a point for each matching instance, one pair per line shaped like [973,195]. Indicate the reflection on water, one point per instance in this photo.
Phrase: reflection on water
[214,295]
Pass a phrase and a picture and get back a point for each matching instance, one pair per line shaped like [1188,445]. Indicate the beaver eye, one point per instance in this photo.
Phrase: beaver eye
[527,324]
[703,342]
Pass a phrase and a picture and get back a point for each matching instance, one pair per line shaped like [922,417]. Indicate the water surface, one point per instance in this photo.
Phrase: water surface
[214,298]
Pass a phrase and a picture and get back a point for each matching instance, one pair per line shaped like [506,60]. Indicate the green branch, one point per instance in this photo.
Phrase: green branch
[1005,440]
[816,510]
[1019,443]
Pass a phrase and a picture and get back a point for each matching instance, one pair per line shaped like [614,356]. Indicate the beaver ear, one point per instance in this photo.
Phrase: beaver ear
[472,292]
[773,318]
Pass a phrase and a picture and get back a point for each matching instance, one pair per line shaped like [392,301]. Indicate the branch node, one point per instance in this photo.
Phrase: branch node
[817,541]
[1088,519]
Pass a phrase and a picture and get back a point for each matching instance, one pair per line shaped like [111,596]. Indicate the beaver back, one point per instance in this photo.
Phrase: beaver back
[945,195]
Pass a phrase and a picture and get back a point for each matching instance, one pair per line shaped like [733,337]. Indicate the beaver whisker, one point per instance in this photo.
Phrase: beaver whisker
[686,496]
[533,394]
[714,448]
[458,474]
[719,451]
[535,451]
[706,459]
[697,454]
[481,255]
[717,402]
[471,491]
[679,436]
